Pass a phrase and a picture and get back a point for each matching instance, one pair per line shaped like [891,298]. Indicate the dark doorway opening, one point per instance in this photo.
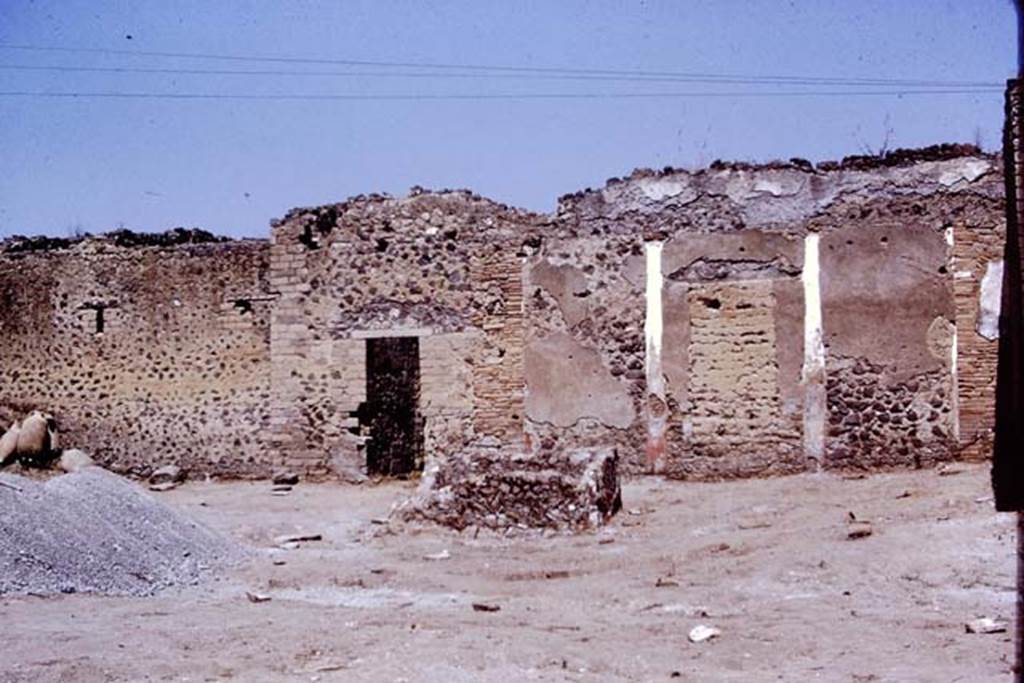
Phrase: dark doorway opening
[395,446]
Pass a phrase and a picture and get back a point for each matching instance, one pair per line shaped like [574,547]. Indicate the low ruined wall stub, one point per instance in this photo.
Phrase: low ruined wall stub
[180,373]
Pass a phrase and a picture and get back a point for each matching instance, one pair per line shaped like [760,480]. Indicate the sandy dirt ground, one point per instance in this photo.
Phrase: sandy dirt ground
[766,562]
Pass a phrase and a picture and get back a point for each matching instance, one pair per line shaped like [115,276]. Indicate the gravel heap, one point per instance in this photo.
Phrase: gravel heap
[92,531]
[499,490]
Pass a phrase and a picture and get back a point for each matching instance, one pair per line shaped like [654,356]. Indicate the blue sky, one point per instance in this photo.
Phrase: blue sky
[230,165]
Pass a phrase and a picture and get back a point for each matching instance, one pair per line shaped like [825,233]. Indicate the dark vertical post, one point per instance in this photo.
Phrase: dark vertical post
[1018,183]
[1008,454]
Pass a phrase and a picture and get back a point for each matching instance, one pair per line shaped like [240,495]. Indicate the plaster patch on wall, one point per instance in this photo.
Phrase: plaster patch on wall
[567,285]
[940,337]
[567,382]
[968,171]
[990,300]
[660,188]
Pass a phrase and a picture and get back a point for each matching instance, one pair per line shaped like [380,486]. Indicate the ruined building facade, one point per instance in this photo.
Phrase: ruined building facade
[734,321]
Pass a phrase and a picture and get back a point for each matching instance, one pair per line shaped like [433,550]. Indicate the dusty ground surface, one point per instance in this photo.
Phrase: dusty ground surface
[767,562]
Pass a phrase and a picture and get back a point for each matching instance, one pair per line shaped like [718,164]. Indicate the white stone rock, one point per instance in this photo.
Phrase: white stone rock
[168,474]
[701,633]
[986,625]
[73,460]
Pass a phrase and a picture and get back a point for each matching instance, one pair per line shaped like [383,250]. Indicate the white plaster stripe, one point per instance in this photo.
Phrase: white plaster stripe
[814,345]
[814,353]
[653,321]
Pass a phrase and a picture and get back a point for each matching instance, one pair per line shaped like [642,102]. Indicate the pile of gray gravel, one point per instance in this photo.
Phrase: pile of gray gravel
[92,531]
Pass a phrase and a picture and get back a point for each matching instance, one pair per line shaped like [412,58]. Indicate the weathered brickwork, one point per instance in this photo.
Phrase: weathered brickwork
[498,377]
[534,335]
[977,261]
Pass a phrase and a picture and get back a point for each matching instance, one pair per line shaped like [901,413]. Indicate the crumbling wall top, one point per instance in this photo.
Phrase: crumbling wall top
[124,239]
[454,214]
[738,195]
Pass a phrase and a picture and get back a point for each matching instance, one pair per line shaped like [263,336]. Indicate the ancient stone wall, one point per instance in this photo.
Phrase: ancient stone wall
[744,394]
[442,267]
[738,320]
[147,349]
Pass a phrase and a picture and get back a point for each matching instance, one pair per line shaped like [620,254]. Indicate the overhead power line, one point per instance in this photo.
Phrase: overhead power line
[486,96]
[492,68]
[420,74]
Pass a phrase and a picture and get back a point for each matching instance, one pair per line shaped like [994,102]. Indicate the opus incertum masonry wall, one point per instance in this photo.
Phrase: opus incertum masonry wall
[734,321]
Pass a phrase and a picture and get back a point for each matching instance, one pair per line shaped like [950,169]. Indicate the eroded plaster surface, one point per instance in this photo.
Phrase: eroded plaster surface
[567,382]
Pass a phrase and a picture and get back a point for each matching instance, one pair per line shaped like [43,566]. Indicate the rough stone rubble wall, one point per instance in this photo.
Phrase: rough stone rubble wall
[900,336]
[440,266]
[532,328]
[180,372]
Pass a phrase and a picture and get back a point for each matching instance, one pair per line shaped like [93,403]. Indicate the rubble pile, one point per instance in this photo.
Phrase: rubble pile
[490,488]
[93,531]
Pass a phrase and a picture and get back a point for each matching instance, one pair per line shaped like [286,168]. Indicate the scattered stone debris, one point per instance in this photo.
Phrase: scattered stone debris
[93,531]
[442,555]
[166,478]
[701,633]
[122,238]
[747,525]
[293,540]
[73,460]
[282,478]
[986,625]
[485,607]
[857,528]
[952,469]
[491,488]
